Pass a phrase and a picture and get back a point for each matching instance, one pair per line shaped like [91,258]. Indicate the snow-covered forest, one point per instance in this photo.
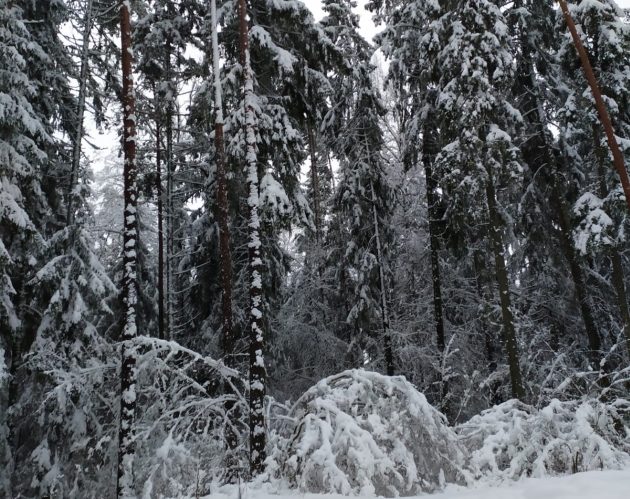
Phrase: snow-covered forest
[247,251]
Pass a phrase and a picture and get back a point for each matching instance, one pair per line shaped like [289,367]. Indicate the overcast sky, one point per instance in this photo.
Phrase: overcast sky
[367,26]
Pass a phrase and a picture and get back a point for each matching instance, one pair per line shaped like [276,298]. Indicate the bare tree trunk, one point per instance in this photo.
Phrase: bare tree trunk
[430,150]
[613,251]
[228,341]
[225,263]
[160,217]
[257,371]
[314,182]
[76,146]
[594,342]
[537,147]
[387,335]
[509,334]
[126,448]
[169,212]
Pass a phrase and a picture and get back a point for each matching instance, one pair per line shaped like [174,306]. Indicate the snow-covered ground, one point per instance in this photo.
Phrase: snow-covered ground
[589,485]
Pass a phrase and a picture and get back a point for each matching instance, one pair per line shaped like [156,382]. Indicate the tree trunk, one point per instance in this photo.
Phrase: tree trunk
[257,371]
[76,146]
[228,340]
[600,105]
[594,353]
[537,147]
[160,217]
[387,335]
[314,182]
[126,448]
[613,252]
[170,210]
[429,151]
[509,334]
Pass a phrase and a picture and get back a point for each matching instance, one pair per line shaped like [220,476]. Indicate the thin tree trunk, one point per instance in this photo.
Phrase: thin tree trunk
[170,210]
[228,341]
[126,448]
[76,147]
[482,284]
[613,251]
[509,334]
[225,263]
[314,182]
[160,217]
[594,342]
[387,335]
[430,149]
[257,371]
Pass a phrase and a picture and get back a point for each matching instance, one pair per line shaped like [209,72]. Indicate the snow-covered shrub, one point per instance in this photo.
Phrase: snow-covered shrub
[182,422]
[513,439]
[69,428]
[360,432]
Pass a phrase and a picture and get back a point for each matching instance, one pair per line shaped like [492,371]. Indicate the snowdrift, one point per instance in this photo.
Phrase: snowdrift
[514,440]
[360,432]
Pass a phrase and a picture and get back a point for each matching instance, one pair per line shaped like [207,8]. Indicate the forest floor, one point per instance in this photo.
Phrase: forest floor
[589,485]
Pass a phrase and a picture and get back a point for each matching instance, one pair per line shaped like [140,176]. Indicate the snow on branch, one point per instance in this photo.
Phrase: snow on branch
[515,440]
[360,432]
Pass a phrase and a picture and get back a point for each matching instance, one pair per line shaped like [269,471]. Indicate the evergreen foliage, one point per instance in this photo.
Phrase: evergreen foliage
[437,203]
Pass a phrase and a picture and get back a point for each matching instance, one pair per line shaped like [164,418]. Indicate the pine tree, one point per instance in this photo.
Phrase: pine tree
[125,481]
[600,203]
[363,196]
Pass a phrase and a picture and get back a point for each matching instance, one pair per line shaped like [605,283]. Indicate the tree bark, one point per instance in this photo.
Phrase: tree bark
[618,280]
[257,371]
[387,336]
[509,334]
[429,151]
[228,341]
[314,182]
[225,264]
[126,448]
[579,281]
[160,220]
[76,146]
[169,294]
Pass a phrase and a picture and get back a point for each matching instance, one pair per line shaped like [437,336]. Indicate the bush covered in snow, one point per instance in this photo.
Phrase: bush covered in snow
[360,432]
[180,427]
[513,440]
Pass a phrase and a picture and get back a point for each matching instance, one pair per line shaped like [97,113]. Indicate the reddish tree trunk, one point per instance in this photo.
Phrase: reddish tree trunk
[604,117]
[257,371]
[126,450]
